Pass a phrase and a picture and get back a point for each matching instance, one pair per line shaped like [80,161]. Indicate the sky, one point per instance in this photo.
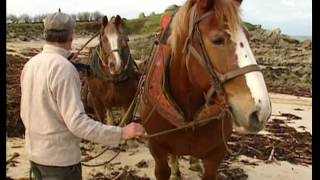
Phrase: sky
[293,17]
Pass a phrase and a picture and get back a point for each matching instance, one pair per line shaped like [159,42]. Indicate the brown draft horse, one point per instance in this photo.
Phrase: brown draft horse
[114,80]
[208,33]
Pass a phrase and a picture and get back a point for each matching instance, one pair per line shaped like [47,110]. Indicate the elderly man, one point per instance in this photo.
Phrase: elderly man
[52,111]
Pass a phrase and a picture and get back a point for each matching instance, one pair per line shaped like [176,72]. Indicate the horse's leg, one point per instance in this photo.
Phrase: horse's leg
[98,107]
[211,163]
[110,119]
[195,165]
[84,94]
[162,169]
[174,163]
[90,103]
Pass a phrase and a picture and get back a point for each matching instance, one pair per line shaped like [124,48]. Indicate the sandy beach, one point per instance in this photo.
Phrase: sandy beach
[138,152]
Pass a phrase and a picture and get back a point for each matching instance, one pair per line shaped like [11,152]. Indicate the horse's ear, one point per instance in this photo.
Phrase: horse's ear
[117,20]
[239,1]
[206,4]
[104,21]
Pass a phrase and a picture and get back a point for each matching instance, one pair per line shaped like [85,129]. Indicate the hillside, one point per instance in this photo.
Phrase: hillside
[139,26]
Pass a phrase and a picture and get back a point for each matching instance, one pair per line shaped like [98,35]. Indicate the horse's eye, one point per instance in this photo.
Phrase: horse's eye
[105,39]
[218,41]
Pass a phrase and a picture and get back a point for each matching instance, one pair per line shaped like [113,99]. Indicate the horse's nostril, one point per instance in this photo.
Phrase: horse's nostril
[112,65]
[254,120]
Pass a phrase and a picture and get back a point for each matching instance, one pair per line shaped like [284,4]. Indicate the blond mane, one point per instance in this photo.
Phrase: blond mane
[224,10]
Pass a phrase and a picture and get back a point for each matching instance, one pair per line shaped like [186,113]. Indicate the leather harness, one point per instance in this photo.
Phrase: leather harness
[161,99]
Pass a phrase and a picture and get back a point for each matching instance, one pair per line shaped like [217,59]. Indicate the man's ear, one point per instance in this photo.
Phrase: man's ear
[239,1]
[206,4]
[70,40]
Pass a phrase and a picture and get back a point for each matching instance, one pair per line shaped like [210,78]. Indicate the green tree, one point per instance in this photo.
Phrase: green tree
[142,15]
[96,16]
[12,18]
[83,16]
[25,18]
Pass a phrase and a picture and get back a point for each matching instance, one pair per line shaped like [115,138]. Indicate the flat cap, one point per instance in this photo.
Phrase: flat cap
[59,21]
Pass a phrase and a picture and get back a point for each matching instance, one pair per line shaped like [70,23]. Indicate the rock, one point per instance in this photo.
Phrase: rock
[254,38]
[171,8]
[277,31]
[12,35]
[297,70]
[258,26]
[273,36]
[306,44]
[142,164]
[24,38]
[132,144]
[282,42]
[288,39]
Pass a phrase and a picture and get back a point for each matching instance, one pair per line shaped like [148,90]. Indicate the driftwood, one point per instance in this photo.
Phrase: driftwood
[11,159]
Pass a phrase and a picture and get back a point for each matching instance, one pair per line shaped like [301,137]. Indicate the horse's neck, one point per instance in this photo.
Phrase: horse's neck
[184,93]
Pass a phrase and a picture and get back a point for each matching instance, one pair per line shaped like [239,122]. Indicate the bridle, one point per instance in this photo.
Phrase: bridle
[217,79]
[122,38]
[102,55]
[102,49]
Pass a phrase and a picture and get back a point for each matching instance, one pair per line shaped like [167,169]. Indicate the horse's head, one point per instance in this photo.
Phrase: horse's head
[113,43]
[211,38]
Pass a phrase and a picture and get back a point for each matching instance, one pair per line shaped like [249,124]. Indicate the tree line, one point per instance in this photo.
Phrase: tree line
[79,17]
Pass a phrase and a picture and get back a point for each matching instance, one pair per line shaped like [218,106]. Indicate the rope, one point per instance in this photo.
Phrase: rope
[192,124]
[224,139]
[83,46]
[103,163]
[94,157]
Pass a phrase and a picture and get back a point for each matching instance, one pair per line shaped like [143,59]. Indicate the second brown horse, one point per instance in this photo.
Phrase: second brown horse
[114,79]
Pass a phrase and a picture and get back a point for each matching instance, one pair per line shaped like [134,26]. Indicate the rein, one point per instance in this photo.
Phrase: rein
[71,57]
[193,125]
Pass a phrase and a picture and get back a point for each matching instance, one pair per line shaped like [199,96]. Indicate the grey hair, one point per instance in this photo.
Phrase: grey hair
[60,36]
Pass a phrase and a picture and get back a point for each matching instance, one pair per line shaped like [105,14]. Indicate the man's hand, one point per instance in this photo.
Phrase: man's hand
[132,130]
[73,55]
